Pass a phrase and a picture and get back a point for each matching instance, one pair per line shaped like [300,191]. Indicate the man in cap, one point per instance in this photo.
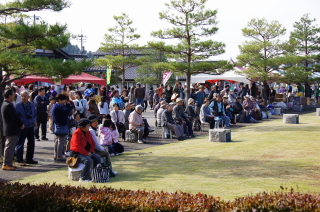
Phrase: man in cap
[200,95]
[139,94]
[180,116]
[137,125]
[168,121]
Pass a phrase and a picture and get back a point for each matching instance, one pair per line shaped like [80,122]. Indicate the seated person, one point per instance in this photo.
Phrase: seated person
[192,116]
[206,115]
[228,108]
[117,117]
[162,109]
[108,137]
[83,146]
[238,109]
[181,118]
[127,110]
[168,121]
[137,125]
[100,150]
[116,99]
[217,109]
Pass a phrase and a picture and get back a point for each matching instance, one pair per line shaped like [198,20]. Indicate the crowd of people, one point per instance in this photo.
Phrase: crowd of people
[97,117]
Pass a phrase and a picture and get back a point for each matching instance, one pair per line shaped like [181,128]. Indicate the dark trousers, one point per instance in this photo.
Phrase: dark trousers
[146,128]
[89,163]
[122,129]
[26,133]
[42,119]
[211,122]
[187,128]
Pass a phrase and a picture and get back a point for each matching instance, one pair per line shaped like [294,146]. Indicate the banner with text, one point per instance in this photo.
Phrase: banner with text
[166,76]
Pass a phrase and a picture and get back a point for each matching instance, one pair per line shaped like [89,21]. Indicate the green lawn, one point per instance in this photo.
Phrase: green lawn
[262,157]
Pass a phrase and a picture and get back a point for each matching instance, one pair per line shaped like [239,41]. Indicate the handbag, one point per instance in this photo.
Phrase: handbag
[174,96]
[72,162]
[118,148]
[100,174]
[61,130]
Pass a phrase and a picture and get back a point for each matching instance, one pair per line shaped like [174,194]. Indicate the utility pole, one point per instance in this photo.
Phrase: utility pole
[82,39]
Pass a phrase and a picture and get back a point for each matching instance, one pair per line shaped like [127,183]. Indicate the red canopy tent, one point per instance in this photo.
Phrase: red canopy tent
[33,78]
[83,77]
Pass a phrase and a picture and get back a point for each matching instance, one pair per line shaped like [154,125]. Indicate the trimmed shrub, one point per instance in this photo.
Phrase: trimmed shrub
[46,197]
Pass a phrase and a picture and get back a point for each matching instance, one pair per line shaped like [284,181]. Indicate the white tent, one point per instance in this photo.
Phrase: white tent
[228,75]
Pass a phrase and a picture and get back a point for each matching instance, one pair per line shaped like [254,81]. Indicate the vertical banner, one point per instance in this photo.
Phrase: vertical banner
[108,74]
[166,76]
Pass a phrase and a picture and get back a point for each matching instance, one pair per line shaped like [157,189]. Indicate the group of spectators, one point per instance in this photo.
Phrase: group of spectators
[94,122]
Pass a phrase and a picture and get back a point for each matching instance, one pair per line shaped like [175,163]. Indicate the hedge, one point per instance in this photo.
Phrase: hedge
[52,197]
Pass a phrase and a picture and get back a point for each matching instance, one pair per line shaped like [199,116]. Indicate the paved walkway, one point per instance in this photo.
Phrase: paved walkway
[44,150]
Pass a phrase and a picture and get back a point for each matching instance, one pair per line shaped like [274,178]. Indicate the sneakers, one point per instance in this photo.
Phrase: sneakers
[86,181]
[9,168]
[67,153]
[115,173]
[37,139]
[112,154]
[180,138]
[140,142]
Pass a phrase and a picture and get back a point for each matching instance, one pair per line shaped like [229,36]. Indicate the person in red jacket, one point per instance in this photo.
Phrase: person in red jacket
[83,146]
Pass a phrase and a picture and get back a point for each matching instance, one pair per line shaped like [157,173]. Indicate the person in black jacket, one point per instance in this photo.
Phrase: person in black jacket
[171,124]
[238,109]
[12,126]
[41,102]
[193,117]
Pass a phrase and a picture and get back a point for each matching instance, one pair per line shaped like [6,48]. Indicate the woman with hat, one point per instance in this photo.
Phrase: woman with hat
[83,146]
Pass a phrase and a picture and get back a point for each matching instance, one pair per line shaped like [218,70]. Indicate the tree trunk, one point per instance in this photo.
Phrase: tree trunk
[264,93]
[123,79]
[188,85]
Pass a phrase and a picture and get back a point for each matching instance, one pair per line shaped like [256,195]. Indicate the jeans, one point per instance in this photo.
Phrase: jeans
[225,119]
[140,102]
[41,120]
[187,128]
[26,133]
[59,144]
[89,163]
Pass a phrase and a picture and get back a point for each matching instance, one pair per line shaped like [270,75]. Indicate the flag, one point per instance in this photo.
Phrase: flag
[231,61]
[166,76]
[108,74]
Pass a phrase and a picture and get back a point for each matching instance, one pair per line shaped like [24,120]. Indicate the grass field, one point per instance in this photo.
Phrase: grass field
[262,157]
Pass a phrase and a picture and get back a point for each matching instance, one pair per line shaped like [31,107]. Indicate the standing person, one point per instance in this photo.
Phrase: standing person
[156,98]
[27,113]
[200,95]
[49,109]
[131,95]
[88,91]
[168,92]
[41,102]
[93,108]
[213,91]
[12,126]
[60,117]
[139,94]
[53,92]
[179,90]
[150,97]
[17,97]
[116,99]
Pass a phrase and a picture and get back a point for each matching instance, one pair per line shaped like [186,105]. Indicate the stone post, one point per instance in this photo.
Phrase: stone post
[291,119]
[318,112]
[220,135]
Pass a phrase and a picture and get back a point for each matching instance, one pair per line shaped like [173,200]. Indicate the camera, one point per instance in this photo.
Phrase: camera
[29,117]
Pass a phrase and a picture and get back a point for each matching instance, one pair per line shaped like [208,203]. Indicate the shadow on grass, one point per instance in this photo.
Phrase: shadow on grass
[149,166]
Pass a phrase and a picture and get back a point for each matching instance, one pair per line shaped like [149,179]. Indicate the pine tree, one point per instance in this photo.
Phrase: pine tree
[191,24]
[118,44]
[265,53]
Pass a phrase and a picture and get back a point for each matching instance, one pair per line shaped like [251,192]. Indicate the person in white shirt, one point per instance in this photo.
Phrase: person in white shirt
[103,106]
[80,104]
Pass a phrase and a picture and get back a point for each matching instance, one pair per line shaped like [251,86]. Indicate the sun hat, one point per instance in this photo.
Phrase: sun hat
[190,100]
[179,100]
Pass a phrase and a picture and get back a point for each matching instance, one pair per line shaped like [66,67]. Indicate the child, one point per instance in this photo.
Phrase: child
[115,137]
[49,107]
[106,136]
